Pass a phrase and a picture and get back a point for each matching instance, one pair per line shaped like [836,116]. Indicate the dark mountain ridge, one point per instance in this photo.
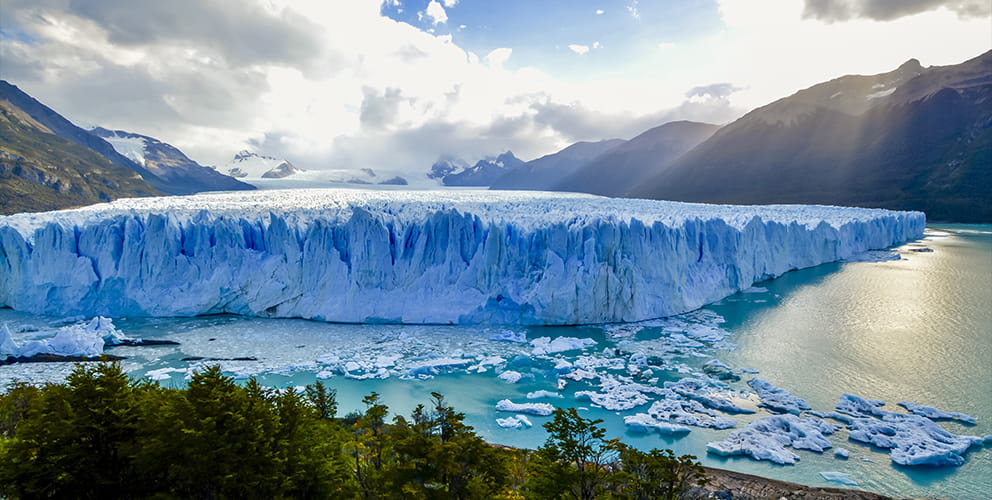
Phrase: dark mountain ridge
[184,179]
[41,171]
[172,169]
[922,142]
[620,169]
[548,171]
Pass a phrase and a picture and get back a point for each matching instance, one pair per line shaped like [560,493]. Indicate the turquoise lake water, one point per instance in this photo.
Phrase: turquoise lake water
[915,329]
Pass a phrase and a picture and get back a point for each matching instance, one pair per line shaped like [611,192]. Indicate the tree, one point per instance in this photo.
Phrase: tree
[368,446]
[324,400]
[657,474]
[573,462]
[73,440]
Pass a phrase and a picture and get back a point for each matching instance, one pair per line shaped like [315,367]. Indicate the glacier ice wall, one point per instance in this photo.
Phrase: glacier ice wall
[418,256]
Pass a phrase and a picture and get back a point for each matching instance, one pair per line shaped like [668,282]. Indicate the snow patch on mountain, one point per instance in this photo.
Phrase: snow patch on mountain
[133,147]
[249,165]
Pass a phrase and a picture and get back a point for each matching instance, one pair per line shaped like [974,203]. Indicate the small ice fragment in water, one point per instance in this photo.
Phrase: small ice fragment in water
[935,413]
[839,477]
[539,394]
[542,409]
[514,422]
[510,336]
[545,345]
[510,377]
[842,453]
[777,398]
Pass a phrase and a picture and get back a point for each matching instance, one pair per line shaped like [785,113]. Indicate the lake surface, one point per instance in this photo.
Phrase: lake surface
[915,329]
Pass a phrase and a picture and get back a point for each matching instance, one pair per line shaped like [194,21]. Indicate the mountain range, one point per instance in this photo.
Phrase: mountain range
[247,164]
[166,166]
[454,172]
[47,162]
[41,171]
[915,138]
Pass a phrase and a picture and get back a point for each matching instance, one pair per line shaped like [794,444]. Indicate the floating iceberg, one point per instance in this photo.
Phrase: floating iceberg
[642,423]
[776,398]
[911,439]
[418,256]
[545,345]
[514,422]
[767,438]
[542,409]
[510,377]
[85,340]
[936,413]
[680,413]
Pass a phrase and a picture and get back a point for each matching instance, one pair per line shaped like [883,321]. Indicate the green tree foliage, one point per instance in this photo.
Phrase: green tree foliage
[656,475]
[579,462]
[574,462]
[102,435]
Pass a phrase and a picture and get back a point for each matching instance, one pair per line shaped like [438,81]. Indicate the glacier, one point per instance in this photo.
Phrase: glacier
[423,257]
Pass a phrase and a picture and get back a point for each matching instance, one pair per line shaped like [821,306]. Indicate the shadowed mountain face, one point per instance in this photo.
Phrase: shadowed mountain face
[624,167]
[171,168]
[41,171]
[915,138]
[175,173]
[548,171]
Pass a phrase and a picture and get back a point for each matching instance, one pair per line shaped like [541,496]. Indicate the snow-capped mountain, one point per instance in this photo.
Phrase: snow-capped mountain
[165,166]
[249,165]
[46,162]
[455,172]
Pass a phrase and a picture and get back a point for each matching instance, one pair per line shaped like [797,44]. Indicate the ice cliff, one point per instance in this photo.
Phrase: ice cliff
[418,256]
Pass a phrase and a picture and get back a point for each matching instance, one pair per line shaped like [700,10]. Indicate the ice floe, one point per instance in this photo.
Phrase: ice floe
[839,477]
[935,413]
[768,438]
[542,409]
[514,422]
[776,398]
[910,439]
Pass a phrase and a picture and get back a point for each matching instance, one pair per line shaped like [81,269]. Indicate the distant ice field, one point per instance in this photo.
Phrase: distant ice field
[421,257]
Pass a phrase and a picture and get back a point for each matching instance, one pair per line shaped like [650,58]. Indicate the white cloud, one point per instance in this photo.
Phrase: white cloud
[344,87]
[435,12]
[600,12]
[579,49]
[450,3]
[497,57]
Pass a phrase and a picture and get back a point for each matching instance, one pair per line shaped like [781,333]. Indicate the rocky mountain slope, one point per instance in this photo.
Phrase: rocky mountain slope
[914,138]
[41,171]
[548,171]
[453,172]
[172,169]
[173,176]
[623,168]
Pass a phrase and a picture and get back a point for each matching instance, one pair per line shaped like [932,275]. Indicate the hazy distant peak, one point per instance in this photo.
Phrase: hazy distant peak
[245,154]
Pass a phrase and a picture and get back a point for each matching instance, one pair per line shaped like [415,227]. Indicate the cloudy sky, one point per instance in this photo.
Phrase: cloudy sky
[393,84]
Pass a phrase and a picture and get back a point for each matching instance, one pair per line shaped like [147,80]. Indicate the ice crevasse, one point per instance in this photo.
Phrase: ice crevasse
[418,256]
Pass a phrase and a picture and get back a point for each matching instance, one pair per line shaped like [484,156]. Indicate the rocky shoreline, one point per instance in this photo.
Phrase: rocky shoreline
[730,485]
